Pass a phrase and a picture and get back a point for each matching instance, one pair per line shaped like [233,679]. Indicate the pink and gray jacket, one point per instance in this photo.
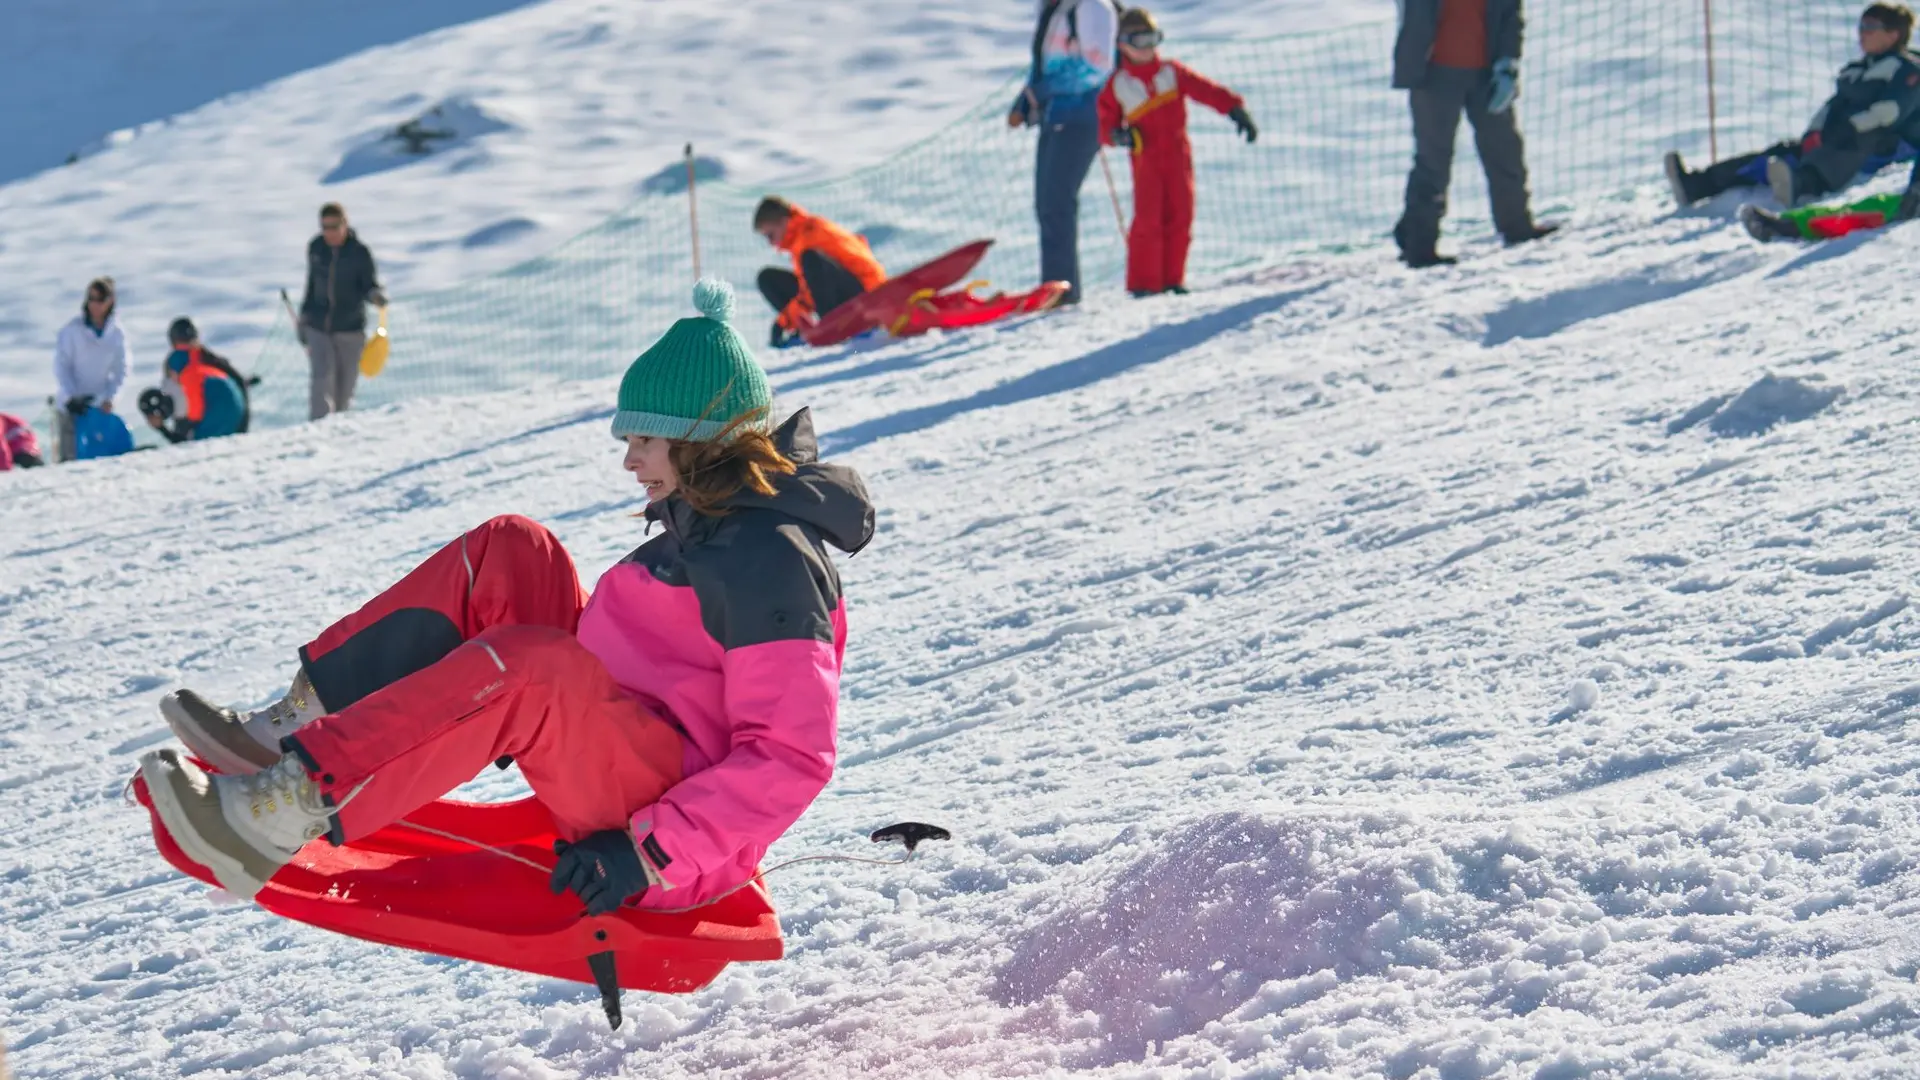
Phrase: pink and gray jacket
[734,628]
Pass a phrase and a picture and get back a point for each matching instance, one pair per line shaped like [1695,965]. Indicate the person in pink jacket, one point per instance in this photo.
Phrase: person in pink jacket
[19,446]
[674,723]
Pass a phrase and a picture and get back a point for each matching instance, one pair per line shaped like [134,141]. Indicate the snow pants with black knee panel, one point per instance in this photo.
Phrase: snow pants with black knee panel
[470,658]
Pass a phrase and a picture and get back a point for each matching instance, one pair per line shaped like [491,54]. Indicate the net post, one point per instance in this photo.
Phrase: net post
[693,210]
[1713,104]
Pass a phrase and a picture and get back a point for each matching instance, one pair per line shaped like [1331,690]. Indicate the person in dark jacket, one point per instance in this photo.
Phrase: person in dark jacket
[1861,128]
[1457,56]
[341,282]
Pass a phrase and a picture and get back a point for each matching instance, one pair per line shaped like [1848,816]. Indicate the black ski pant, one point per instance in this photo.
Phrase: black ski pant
[1437,104]
[1815,172]
[1066,153]
[828,282]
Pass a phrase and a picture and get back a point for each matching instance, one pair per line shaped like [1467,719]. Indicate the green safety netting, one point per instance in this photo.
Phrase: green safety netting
[1609,86]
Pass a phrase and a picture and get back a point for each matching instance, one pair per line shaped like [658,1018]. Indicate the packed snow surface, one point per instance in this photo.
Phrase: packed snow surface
[1313,688]
[1496,672]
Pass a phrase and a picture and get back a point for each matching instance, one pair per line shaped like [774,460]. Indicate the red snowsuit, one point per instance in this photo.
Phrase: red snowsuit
[1151,98]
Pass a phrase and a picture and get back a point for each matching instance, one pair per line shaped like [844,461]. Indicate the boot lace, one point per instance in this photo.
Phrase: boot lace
[287,788]
[290,709]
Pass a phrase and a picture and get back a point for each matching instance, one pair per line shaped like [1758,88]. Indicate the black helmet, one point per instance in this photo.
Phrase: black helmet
[182,332]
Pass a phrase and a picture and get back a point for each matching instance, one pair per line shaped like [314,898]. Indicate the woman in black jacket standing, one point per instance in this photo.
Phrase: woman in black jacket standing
[341,282]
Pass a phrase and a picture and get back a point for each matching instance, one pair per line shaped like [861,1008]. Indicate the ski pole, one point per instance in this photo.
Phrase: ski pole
[1119,219]
[693,211]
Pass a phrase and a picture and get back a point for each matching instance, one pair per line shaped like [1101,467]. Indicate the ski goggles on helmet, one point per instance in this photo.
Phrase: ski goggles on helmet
[1144,39]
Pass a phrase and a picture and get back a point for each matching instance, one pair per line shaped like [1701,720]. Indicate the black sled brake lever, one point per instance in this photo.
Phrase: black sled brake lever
[910,833]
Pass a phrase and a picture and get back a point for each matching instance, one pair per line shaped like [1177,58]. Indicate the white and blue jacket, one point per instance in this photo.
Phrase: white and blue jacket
[1074,47]
[90,361]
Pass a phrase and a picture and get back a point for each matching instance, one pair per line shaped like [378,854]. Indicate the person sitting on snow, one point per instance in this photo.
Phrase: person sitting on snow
[1144,107]
[830,267]
[19,446]
[210,398]
[1858,129]
[674,723]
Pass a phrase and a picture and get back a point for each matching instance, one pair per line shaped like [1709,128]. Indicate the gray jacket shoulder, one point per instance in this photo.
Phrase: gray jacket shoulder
[758,575]
[765,576]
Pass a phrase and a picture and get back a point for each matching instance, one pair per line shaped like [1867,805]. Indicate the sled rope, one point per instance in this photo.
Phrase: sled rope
[760,877]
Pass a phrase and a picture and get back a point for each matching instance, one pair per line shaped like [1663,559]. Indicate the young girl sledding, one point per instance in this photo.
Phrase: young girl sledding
[674,723]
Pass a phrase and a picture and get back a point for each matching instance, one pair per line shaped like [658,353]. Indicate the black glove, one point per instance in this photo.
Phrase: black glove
[602,869]
[377,297]
[1021,115]
[1128,137]
[1244,122]
[78,406]
[1909,205]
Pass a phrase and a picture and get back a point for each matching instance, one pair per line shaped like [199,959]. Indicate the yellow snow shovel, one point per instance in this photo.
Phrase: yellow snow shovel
[373,358]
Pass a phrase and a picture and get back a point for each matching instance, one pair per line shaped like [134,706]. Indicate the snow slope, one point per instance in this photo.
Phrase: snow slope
[1341,672]
[206,211]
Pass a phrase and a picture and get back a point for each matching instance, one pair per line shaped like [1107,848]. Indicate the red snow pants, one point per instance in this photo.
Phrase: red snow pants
[1162,219]
[469,658]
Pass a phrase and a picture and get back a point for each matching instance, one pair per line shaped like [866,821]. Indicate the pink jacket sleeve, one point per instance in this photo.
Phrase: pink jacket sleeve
[782,698]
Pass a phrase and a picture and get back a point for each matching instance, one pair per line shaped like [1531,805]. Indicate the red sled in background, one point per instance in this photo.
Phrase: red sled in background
[917,301]
[465,881]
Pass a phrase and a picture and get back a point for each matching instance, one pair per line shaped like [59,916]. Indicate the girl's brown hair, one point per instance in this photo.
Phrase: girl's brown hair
[741,458]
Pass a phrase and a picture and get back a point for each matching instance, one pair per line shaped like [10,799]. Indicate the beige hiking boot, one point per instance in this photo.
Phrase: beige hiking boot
[243,828]
[234,743]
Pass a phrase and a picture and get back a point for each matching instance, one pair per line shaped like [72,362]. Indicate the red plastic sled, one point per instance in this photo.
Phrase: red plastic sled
[414,890]
[956,310]
[887,301]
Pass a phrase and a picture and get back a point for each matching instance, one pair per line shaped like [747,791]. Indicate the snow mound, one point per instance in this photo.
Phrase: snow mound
[1771,402]
[1220,909]
[445,128]
[672,180]
[1766,404]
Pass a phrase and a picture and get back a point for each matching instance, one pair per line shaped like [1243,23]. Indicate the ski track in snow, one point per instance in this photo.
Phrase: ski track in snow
[1337,672]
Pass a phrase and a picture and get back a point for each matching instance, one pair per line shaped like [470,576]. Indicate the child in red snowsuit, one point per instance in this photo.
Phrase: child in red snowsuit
[674,723]
[1144,106]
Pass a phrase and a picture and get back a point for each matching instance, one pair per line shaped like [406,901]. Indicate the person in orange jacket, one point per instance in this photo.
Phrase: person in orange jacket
[830,266]
[211,393]
[1144,107]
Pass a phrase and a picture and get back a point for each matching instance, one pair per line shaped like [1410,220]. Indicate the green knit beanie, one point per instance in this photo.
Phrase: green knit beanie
[697,379]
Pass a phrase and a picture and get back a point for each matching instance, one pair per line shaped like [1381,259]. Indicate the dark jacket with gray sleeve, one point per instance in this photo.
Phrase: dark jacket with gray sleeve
[1420,25]
[340,282]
